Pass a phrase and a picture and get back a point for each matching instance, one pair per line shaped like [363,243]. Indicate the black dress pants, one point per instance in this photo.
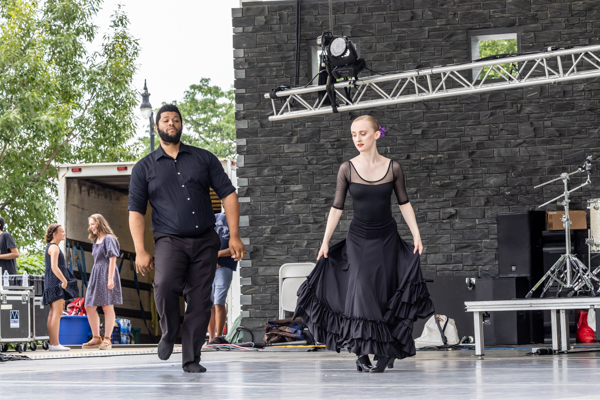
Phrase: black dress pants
[185,265]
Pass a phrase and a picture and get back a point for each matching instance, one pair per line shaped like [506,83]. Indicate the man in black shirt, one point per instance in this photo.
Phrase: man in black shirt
[8,251]
[176,178]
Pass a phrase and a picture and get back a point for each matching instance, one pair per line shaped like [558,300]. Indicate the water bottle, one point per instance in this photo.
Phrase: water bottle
[25,281]
[128,332]
[125,331]
[123,328]
[6,282]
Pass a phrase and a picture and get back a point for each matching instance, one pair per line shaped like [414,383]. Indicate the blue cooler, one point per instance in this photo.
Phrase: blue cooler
[74,330]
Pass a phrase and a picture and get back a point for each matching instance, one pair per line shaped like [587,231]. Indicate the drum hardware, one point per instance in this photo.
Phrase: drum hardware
[591,242]
[568,272]
[594,231]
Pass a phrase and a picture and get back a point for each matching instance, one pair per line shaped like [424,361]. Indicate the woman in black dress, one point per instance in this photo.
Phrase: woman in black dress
[59,284]
[366,291]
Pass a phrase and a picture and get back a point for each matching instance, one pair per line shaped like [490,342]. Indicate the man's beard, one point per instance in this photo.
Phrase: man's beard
[165,137]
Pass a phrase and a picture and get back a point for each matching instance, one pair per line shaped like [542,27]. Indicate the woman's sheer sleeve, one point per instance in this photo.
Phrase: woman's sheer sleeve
[399,184]
[343,182]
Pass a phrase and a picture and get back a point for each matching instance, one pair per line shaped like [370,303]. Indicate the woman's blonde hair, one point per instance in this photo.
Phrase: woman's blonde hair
[52,228]
[103,227]
[372,121]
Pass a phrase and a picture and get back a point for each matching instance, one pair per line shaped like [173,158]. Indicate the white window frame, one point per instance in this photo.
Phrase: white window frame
[475,39]
[315,56]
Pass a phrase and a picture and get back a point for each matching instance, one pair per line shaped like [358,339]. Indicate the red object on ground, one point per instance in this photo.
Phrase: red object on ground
[77,307]
[585,334]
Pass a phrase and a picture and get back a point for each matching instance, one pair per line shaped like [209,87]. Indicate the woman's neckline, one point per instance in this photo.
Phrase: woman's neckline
[97,242]
[379,180]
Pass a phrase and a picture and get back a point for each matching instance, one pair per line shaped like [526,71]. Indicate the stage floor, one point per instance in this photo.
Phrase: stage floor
[458,374]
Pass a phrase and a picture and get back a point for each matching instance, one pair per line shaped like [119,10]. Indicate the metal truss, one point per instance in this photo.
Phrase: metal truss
[552,66]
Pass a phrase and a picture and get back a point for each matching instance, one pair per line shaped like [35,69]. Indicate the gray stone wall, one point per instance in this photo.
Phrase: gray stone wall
[465,158]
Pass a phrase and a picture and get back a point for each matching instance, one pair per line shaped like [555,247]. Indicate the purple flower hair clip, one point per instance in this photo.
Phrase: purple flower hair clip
[382,130]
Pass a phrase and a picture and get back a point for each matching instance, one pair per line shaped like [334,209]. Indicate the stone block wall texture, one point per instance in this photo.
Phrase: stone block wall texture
[465,158]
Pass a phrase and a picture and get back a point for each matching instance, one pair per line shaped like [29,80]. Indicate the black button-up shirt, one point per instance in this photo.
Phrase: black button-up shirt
[178,189]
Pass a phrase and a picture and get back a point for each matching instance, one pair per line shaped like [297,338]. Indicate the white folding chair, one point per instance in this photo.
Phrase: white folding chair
[291,276]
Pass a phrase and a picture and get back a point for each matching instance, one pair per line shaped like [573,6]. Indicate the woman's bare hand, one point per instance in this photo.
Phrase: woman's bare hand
[323,251]
[418,245]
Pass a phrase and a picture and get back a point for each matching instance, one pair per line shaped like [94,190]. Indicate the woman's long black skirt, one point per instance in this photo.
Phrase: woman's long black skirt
[366,295]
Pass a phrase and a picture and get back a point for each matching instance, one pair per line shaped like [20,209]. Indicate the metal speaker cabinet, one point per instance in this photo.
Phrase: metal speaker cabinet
[509,327]
[40,319]
[15,316]
[520,244]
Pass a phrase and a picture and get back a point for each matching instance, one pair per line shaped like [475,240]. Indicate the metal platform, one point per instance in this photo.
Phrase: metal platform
[556,306]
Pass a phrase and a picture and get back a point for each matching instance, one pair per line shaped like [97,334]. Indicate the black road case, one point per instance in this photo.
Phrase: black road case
[15,317]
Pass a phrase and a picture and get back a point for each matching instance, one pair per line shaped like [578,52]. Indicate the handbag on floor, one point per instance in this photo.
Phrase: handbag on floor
[585,332]
[439,331]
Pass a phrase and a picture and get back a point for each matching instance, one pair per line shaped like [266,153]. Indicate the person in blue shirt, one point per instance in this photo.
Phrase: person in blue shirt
[225,267]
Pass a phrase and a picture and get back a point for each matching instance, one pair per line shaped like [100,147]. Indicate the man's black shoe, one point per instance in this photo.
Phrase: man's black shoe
[165,349]
[194,367]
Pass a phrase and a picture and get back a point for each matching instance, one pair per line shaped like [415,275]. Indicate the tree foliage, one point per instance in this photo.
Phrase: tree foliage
[494,47]
[33,264]
[59,102]
[209,118]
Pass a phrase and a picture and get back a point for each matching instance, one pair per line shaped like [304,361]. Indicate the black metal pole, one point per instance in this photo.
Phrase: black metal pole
[152,132]
[298,34]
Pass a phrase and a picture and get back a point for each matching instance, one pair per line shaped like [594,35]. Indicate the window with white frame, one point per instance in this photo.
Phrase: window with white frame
[315,59]
[490,44]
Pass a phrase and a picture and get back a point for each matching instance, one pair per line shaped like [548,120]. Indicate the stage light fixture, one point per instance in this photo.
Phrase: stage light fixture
[338,47]
[339,56]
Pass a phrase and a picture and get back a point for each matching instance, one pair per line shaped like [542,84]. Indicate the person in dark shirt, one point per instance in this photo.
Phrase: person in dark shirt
[225,267]
[176,179]
[8,251]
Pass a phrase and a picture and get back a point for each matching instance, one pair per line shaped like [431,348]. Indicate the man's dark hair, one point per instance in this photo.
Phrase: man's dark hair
[168,108]
[2,223]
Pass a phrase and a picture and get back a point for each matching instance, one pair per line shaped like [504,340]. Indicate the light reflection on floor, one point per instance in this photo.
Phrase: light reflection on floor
[504,374]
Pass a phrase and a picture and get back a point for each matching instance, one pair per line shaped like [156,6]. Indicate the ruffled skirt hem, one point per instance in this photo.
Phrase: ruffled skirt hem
[391,337]
[349,299]
[52,294]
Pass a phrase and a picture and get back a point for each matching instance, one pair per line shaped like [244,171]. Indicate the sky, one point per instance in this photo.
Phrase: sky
[181,41]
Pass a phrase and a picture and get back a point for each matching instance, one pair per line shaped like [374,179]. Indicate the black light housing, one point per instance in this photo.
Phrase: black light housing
[339,56]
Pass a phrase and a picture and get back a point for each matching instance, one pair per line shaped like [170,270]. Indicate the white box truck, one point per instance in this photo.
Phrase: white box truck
[86,189]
